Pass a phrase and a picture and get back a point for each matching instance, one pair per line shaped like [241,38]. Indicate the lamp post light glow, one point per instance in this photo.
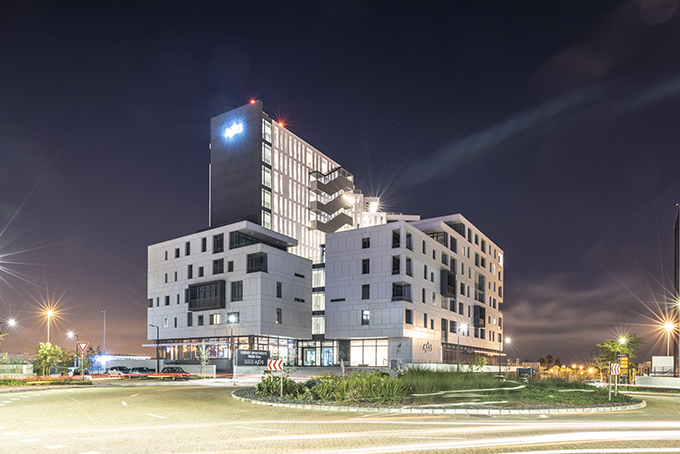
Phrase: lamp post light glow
[462,328]
[11,322]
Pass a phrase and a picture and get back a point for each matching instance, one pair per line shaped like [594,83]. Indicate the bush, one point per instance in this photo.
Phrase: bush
[271,386]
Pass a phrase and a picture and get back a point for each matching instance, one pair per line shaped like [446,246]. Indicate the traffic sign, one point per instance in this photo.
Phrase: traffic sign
[275,364]
[615,369]
[82,355]
[623,362]
[82,346]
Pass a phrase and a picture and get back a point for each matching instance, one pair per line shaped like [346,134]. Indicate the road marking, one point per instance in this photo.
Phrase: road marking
[25,397]
[29,440]
[155,416]
[55,446]
[11,433]
[124,403]
[603,451]
[90,452]
[135,395]
[6,401]
[439,438]
[15,398]
[256,428]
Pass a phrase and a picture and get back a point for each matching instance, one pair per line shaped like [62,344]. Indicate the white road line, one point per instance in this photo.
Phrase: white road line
[438,438]
[11,433]
[602,451]
[135,395]
[155,416]
[124,403]
[257,428]
[30,440]
[55,446]
[15,398]
[90,452]
[6,401]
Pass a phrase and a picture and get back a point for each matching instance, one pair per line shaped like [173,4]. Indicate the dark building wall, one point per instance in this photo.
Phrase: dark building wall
[236,166]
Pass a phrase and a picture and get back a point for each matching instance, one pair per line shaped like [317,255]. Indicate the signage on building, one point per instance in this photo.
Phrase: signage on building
[251,357]
[233,130]
[427,347]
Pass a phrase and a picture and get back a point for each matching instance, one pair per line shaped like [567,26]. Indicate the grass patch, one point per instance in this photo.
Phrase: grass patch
[424,386]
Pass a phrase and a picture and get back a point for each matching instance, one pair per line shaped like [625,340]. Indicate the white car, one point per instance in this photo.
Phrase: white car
[118,371]
[596,383]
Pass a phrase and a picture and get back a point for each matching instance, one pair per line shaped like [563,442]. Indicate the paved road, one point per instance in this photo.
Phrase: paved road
[202,417]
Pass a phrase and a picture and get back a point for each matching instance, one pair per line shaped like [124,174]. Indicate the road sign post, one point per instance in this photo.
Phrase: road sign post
[276,364]
[614,369]
[82,346]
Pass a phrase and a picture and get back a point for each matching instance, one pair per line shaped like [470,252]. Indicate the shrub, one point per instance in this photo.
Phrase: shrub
[271,386]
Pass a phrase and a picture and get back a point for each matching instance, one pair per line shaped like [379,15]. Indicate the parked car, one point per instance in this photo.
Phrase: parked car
[118,371]
[596,383]
[74,372]
[139,372]
[174,373]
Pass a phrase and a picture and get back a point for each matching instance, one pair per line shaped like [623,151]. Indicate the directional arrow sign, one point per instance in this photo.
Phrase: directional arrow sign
[275,364]
[82,346]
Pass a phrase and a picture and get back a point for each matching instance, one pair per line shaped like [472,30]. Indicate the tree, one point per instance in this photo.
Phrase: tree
[541,362]
[548,361]
[47,356]
[610,350]
[558,362]
[203,357]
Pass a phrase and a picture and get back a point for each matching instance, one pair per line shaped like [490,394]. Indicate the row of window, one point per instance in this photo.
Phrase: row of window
[210,291]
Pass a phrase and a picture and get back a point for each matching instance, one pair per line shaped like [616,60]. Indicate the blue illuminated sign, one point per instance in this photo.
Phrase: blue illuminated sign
[233,130]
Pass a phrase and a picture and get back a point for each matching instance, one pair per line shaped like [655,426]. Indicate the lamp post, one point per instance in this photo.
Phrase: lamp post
[49,315]
[11,322]
[500,345]
[669,329]
[158,360]
[231,319]
[104,351]
[71,334]
[463,328]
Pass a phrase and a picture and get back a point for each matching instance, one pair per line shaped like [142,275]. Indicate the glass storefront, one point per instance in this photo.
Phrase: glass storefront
[220,348]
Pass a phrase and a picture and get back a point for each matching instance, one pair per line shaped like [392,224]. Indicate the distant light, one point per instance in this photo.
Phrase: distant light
[70,334]
[281,124]
[50,313]
[464,327]
[104,358]
[233,130]
[348,198]
[252,101]
[668,327]
[622,340]
[373,207]
[12,322]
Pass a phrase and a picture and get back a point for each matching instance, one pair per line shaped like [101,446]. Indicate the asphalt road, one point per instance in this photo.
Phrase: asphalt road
[202,417]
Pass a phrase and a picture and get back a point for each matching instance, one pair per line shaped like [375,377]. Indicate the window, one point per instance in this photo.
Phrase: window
[396,265]
[434,254]
[166,255]
[445,258]
[178,298]
[200,271]
[190,271]
[266,177]
[233,317]
[204,244]
[230,266]
[187,248]
[175,276]
[424,247]
[425,320]
[190,319]
[476,259]
[218,243]
[218,266]
[365,317]
[278,290]
[256,262]
[165,323]
[167,300]
[409,268]
[176,253]
[396,238]
[215,319]
[500,322]
[445,330]
[425,272]
[469,237]
[454,245]
[299,300]
[462,289]
[237,291]
[401,292]
[266,198]
[461,308]
[166,278]
[365,243]
[200,320]
[365,291]
[266,153]
[207,295]
[423,297]
[409,242]
[267,130]
[453,326]
[432,323]
[484,246]
[408,317]
[365,266]
[175,322]
[278,315]
[266,219]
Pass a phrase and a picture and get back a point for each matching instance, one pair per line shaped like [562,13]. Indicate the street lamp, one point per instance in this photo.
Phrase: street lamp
[231,319]
[49,315]
[500,343]
[11,322]
[463,328]
[158,350]
[71,334]
[104,351]
[669,329]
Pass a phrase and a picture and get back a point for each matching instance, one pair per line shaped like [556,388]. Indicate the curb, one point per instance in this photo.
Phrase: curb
[445,411]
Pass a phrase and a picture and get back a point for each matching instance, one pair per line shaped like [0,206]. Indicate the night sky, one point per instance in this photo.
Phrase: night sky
[552,126]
